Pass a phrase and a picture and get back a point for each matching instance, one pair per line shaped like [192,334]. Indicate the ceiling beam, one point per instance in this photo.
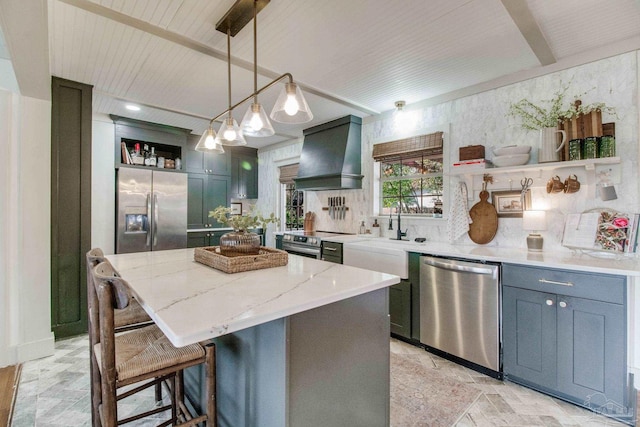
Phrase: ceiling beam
[181,40]
[526,23]
[26,31]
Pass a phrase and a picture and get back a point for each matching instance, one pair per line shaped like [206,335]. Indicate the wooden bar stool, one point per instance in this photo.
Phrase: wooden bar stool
[132,317]
[143,355]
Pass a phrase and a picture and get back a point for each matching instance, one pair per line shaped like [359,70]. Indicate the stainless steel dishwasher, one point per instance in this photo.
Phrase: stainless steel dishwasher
[460,311]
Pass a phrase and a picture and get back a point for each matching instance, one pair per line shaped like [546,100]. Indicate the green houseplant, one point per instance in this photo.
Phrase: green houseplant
[240,241]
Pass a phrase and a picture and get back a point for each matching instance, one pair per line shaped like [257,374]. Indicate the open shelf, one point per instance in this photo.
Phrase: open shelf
[589,165]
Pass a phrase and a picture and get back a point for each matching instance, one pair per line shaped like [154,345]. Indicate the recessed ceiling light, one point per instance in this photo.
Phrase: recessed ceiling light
[132,107]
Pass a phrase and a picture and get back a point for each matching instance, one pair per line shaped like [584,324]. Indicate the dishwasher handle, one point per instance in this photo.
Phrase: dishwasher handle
[454,266]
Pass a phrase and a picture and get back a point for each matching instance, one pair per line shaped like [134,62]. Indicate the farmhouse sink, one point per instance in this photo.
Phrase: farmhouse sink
[376,255]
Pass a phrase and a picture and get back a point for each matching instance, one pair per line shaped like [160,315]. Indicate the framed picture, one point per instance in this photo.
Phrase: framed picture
[509,204]
[236,208]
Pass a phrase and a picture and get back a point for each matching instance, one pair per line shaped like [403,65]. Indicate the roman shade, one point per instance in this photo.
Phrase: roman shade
[428,146]
[287,173]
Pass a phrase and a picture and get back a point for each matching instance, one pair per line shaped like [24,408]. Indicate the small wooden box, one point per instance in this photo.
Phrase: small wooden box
[471,152]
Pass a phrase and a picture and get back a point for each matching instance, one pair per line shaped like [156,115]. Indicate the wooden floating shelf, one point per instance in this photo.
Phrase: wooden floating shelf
[588,164]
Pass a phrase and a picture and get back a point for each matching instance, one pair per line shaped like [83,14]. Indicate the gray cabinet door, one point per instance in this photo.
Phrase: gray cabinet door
[209,163]
[244,176]
[529,336]
[217,195]
[197,214]
[591,350]
[400,308]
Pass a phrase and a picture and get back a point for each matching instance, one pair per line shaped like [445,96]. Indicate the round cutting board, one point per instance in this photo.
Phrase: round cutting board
[485,220]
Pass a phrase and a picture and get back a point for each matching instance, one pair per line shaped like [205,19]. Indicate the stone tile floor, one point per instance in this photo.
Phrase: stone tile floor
[54,391]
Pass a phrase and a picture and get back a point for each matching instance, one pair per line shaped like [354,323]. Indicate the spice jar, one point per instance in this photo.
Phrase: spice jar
[575,149]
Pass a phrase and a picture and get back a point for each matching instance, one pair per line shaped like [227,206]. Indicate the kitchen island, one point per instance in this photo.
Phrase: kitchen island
[305,344]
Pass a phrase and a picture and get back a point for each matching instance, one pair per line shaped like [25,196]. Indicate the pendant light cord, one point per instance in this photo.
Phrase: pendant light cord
[229,67]
[255,51]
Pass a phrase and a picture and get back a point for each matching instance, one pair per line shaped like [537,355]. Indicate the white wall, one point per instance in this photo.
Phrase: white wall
[103,186]
[25,228]
[481,119]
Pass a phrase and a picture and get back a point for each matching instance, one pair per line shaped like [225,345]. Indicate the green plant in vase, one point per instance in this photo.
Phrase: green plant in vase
[241,241]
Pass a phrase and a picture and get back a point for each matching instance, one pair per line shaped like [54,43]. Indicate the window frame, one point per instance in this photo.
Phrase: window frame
[446,168]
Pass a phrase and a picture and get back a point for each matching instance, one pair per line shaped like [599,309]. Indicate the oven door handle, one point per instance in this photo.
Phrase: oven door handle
[294,249]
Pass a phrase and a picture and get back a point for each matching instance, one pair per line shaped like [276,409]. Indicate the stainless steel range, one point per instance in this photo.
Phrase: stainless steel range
[307,244]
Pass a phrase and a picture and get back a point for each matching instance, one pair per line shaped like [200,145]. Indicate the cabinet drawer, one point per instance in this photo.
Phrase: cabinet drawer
[332,249]
[601,287]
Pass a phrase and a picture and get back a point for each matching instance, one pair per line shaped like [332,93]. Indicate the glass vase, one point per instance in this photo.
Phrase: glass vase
[239,242]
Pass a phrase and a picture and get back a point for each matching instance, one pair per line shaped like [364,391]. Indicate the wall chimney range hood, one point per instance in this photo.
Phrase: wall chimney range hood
[331,156]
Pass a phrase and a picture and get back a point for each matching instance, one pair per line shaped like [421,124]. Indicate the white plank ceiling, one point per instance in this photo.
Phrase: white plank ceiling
[351,57]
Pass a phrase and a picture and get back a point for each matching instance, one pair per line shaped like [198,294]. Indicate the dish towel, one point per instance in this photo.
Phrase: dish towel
[459,218]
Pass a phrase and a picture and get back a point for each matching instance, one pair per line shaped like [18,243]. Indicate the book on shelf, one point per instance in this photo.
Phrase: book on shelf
[602,231]
[472,164]
[126,156]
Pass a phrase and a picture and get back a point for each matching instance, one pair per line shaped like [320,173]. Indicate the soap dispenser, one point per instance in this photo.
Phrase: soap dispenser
[363,228]
[375,228]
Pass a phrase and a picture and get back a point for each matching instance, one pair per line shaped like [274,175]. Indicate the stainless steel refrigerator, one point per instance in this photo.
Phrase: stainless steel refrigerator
[151,210]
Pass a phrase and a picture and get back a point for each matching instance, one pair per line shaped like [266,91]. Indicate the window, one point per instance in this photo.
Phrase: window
[411,178]
[293,208]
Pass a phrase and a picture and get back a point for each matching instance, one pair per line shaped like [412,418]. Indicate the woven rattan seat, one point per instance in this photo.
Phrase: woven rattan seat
[148,349]
[140,358]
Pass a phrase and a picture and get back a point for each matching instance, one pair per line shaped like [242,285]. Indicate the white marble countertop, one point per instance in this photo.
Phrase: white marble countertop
[192,302]
[570,260]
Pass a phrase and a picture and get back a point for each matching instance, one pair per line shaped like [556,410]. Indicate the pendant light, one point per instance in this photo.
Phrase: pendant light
[255,121]
[229,132]
[290,108]
[208,142]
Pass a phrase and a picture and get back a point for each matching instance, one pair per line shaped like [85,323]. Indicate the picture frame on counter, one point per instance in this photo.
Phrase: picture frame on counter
[236,208]
[510,203]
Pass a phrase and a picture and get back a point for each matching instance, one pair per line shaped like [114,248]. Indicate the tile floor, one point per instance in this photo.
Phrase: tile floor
[54,391]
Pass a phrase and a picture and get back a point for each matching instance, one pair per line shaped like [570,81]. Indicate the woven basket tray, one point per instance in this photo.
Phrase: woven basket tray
[267,258]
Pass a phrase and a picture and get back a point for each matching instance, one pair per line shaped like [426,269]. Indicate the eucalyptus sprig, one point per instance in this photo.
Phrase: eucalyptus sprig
[250,220]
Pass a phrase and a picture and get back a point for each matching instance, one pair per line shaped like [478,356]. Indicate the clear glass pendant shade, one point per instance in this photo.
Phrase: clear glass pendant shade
[208,142]
[291,107]
[230,133]
[256,122]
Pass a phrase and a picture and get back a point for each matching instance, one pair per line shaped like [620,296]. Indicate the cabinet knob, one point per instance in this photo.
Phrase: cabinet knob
[562,304]
[549,302]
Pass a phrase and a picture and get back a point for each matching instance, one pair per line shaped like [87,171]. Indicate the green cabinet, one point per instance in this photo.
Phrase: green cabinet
[278,241]
[205,193]
[199,239]
[244,173]
[404,303]
[332,252]
[565,333]
[400,308]
[206,163]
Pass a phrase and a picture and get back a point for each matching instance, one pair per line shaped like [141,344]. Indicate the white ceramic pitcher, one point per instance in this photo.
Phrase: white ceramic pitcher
[549,152]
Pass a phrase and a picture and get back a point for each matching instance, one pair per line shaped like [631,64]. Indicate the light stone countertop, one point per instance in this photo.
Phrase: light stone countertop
[570,260]
[192,302]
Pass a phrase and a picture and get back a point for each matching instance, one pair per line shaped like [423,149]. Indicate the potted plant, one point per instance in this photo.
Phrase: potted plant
[546,117]
[241,241]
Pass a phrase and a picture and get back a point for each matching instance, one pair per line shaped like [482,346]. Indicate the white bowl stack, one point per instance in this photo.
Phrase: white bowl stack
[511,155]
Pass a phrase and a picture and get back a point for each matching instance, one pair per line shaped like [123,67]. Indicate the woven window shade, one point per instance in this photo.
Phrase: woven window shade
[287,173]
[429,145]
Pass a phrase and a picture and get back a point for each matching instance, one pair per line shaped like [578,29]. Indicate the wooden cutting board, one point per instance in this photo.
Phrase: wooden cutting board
[485,220]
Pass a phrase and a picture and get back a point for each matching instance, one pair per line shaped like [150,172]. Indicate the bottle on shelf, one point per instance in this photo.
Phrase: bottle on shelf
[146,155]
[362,228]
[136,156]
[153,157]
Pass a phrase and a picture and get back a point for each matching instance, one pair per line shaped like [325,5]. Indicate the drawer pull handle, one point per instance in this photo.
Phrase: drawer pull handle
[330,249]
[553,282]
